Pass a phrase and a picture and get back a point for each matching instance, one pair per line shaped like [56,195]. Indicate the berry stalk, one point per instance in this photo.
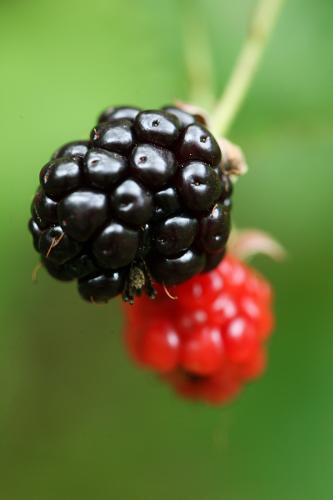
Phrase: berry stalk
[261,27]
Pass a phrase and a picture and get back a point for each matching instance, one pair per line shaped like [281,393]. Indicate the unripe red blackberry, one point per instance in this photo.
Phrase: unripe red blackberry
[144,199]
[210,339]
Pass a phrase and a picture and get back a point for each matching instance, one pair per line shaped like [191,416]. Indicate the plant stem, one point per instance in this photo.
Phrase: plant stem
[261,26]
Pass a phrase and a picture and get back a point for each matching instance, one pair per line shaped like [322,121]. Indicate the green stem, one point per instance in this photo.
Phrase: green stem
[261,27]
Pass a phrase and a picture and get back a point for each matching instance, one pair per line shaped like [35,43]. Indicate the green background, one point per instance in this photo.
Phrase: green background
[77,419]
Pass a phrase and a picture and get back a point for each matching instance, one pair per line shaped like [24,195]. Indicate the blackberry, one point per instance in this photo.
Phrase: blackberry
[144,199]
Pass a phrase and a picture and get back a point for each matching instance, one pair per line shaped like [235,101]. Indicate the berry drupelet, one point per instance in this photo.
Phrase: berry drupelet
[146,198]
[210,340]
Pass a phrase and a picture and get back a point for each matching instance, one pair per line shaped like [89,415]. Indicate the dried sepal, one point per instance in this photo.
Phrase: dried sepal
[233,159]
[247,243]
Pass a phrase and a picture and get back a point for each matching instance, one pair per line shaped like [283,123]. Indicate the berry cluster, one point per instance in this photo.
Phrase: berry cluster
[145,196]
[209,340]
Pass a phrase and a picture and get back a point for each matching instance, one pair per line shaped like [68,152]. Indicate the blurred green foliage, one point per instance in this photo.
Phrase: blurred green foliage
[77,419]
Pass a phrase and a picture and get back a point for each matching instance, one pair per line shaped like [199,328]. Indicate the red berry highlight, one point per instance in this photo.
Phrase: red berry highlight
[160,346]
[203,351]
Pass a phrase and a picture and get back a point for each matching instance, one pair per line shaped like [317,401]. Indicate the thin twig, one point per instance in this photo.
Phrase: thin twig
[262,25]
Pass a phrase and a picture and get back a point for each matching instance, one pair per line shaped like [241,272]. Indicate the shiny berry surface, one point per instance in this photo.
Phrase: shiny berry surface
[175,235]
[81,266]
[35,232]
[166,202]
[213,260]
[174,270]
[145,197]
[44,210]
[214,229]
[102,287]
[75,148]
[199,144]
[157,127]
[132,203]
[198,186]
[120,112]
[57,246]
[116,246]
[116,136]
[227,187]
[103,169]
[206,336]
[152,165]
[58,272]
[60,176]
[184,119]
[81,213]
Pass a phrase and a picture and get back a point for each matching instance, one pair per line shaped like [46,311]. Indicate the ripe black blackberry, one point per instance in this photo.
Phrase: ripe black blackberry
[144,199]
